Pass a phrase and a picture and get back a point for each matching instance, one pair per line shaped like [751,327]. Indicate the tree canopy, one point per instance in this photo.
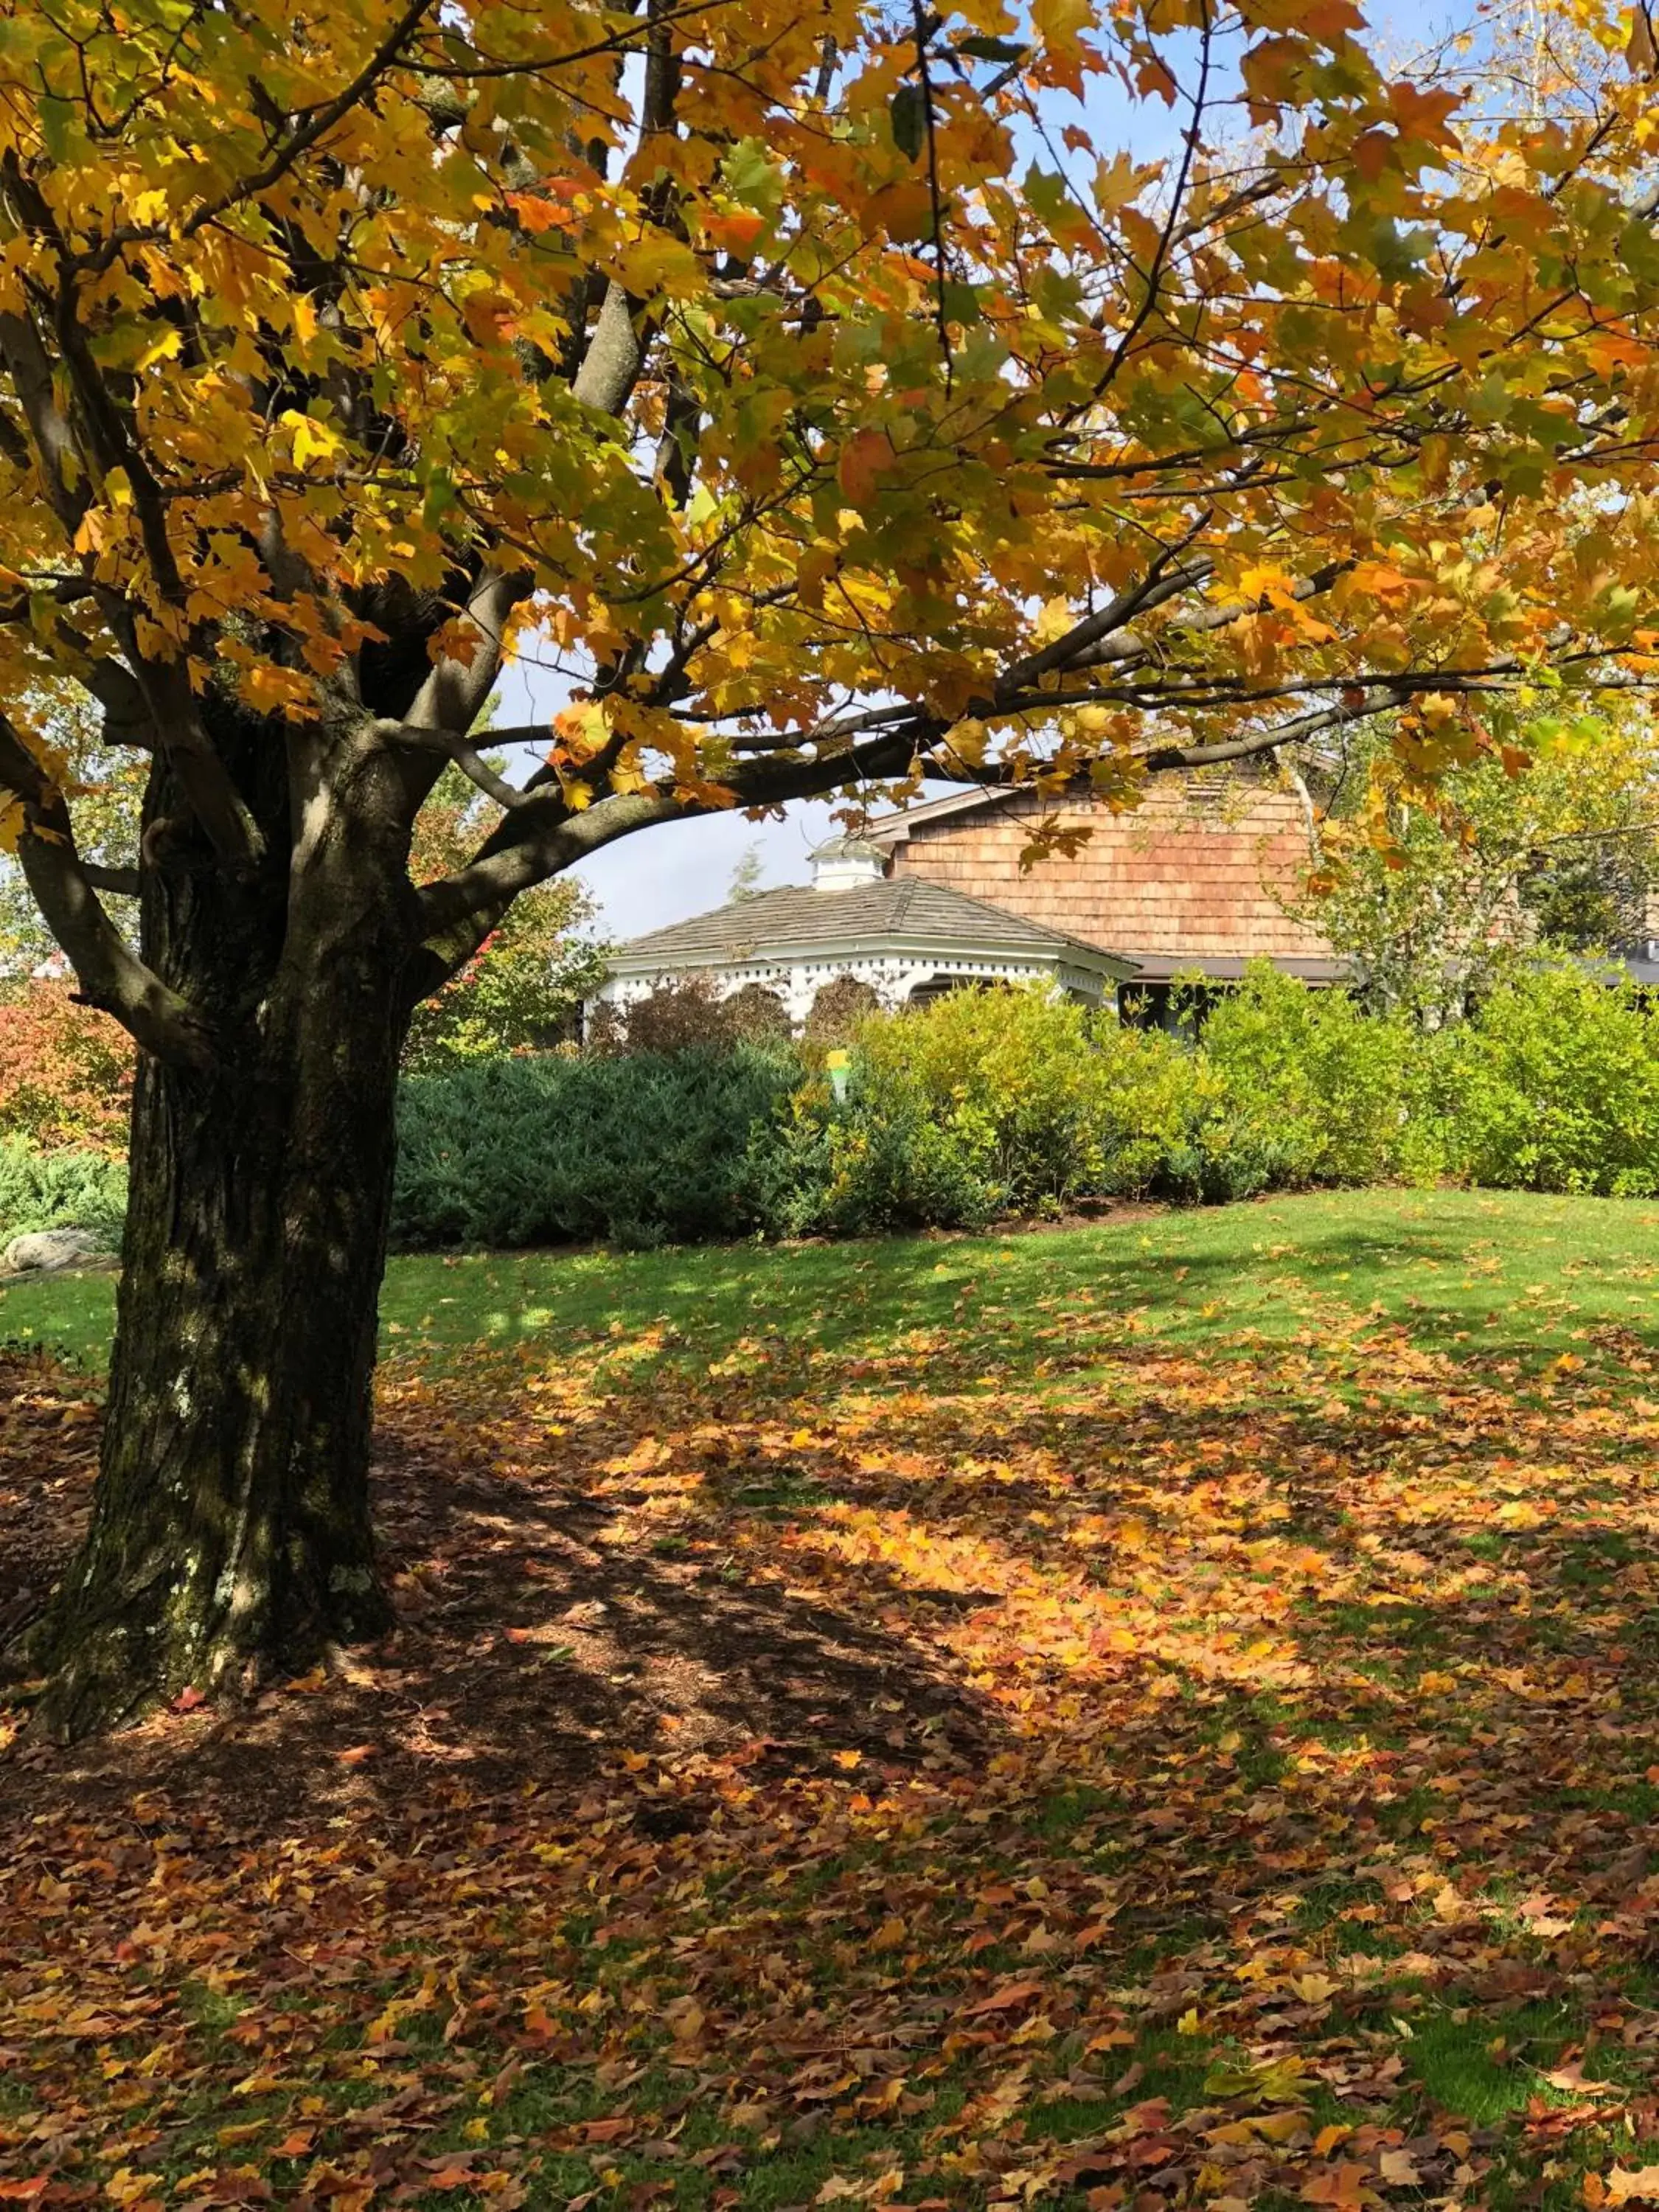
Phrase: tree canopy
[751,368]
[1436,892]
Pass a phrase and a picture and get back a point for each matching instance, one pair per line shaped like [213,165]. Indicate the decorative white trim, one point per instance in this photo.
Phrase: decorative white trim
[894,975]
[887,944]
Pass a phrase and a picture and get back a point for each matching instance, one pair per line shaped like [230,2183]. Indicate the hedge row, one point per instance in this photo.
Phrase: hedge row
[546,1149]
[989,1103]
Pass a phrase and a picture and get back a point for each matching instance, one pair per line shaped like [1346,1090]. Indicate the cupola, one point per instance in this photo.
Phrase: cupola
[846,862]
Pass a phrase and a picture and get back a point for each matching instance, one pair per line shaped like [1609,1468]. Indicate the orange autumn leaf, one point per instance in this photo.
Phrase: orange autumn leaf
[865,460]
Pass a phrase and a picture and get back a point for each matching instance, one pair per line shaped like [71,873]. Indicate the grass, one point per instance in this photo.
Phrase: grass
[1505,1272]
[1288,1574]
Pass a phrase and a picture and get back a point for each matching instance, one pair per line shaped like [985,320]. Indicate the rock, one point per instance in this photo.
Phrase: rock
[46,1248]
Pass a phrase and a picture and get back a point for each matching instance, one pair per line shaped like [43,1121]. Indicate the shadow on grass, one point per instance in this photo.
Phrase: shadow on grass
[921,1722]
[1511,1273]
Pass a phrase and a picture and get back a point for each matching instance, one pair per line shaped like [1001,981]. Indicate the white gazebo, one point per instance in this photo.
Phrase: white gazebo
[908,940]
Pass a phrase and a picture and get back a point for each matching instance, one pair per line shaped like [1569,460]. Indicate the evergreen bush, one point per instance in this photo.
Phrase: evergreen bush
[60,1189]
[645,1149]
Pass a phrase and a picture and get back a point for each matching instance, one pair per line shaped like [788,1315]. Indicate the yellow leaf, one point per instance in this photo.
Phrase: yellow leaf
[1315,1989]
[1375,580]
[1058,23]
[1640,51]
[162,347]
[1622,2184]
[312,440]
[659,263]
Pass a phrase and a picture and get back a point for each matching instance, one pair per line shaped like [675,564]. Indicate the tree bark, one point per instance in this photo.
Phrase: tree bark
[231,1532]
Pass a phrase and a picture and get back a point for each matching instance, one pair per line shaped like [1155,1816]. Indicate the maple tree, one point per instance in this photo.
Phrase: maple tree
[738,359]
[65,1070]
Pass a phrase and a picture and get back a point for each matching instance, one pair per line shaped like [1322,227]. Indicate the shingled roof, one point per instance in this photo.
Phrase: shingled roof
[907,916]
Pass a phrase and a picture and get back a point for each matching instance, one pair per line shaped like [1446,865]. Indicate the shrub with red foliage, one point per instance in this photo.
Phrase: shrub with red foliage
[65,1070]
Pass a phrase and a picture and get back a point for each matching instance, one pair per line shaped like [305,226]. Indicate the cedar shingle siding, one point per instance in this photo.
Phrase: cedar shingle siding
[1186,875]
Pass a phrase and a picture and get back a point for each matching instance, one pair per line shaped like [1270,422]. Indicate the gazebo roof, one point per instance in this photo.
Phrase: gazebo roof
[907,917]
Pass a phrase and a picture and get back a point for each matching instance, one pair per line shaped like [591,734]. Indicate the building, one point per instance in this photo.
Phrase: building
[1192,885]
[1193,882]
[908,940]
[1153,909]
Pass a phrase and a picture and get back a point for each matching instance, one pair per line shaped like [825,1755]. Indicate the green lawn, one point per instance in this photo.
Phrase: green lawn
[1504,1271]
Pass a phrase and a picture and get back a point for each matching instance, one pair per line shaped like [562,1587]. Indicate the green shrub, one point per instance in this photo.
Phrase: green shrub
[1313,1090]
[883,1160]
[1011,1077]
[646,1150]
[997,1100]
[991,1102]
[1153,1098]
[60,1190]
[1555,1086]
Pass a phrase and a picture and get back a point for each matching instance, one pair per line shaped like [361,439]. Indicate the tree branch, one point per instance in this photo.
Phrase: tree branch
[63,479]
[1156,758]
[1153,589]
[180,732]
[541,837]
[126,718]
[120,882]
[110,975]
[615,355]
[476,769]
[1166,238]
[459,912]
[616,352]
[307,136]
[544,837]
[67,475]
[453,696]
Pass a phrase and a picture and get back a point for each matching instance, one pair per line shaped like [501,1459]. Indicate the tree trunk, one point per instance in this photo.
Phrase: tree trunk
[231,1532]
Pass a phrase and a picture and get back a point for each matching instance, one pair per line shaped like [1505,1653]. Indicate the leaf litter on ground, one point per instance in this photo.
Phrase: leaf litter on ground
[1117,1769]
